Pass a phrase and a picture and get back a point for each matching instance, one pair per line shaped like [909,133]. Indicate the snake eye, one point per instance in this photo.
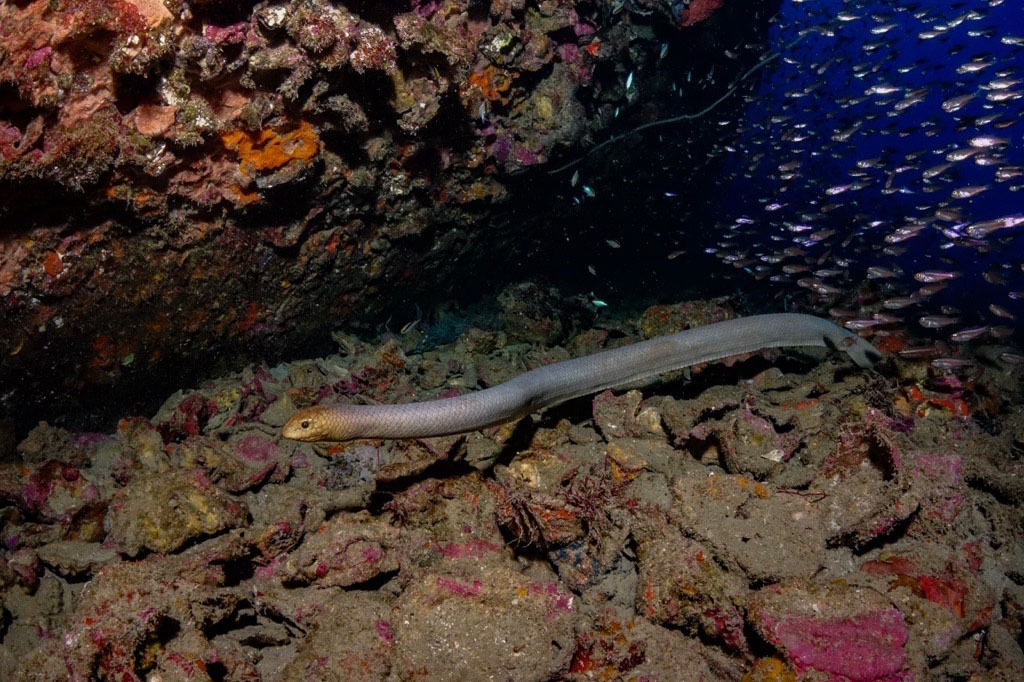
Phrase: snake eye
[305,424]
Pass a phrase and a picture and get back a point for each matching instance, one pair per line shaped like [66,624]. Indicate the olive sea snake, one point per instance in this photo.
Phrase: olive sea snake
[561,381]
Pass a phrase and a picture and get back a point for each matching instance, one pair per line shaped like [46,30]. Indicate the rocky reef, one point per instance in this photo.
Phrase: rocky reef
[775,520]
[184,184]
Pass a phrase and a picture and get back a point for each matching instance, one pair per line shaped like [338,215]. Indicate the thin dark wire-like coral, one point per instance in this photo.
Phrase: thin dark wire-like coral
[690,116]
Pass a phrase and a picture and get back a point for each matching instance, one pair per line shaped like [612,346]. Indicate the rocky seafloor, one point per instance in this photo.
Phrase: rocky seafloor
[781,517]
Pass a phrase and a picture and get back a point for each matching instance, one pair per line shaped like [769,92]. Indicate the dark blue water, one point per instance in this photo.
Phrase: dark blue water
[825,107]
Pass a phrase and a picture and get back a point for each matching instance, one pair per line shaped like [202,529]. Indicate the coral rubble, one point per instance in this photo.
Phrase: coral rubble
[768,521]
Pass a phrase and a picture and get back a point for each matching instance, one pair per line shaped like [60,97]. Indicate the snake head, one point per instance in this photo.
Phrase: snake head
[308,424]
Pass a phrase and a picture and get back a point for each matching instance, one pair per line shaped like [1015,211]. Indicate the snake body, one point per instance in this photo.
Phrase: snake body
[561,381]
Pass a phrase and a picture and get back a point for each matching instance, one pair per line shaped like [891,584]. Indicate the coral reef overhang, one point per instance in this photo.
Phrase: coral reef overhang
[188,187]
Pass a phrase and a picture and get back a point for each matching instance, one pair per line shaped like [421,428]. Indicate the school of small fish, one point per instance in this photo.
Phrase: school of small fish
[878,168]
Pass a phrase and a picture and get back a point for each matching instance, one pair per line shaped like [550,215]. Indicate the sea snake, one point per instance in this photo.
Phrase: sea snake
[561,381]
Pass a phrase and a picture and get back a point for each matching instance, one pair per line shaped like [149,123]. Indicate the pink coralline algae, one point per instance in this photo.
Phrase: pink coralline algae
[257,449]
[383,630]
[459,588]
[834,633]
[38,57]
[235,33]
[475,549]
[864,648]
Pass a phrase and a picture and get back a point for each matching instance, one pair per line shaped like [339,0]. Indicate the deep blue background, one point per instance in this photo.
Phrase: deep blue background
[836,70]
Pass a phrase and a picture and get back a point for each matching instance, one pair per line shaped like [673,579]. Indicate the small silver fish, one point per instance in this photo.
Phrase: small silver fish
[1008,173]
[969,334]
[846,134]
[968,192]
[823,289]
[860,324]
[1001,83]
[986,141]
[987,227]
[961,154]
[937,321]
[993,277]
[936,170]
[906,103]
[920,353]
[973,66]
[952,363]
[882,89]
[878,272]
[928,276]
[955,104]
[1002,96]
[899,302]
[1000,311]
[904,233]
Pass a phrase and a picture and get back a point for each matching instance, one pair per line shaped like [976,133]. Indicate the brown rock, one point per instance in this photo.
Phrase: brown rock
[163,512]
[495,624]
